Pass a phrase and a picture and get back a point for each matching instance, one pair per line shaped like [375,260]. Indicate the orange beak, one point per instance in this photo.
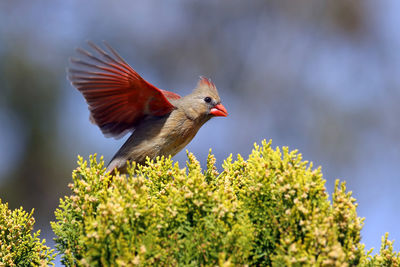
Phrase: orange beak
[219,110]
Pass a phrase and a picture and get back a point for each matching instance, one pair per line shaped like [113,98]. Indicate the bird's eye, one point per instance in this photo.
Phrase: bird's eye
[207,99]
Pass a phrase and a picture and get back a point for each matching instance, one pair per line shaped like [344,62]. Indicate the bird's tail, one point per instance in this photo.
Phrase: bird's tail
[117,164]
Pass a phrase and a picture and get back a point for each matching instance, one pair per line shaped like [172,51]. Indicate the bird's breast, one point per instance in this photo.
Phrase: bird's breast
[180,131]
[159,137]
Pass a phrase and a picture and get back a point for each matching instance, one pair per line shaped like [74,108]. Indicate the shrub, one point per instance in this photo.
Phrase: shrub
[18,246]
[272,209]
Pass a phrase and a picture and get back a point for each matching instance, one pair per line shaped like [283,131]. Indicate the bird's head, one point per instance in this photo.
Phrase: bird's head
[204,102]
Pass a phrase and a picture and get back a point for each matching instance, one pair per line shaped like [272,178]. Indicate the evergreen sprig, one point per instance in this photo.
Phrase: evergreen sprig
[18,245]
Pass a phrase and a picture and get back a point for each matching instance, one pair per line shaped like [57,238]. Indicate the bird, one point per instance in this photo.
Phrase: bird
[121,101]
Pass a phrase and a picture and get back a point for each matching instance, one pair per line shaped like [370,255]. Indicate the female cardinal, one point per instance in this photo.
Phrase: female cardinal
[119,100]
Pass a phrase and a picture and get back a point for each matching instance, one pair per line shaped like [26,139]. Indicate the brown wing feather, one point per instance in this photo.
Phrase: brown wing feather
[117,96]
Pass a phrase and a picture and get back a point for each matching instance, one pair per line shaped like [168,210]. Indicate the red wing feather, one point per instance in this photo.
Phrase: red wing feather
[170,95]
[118,98]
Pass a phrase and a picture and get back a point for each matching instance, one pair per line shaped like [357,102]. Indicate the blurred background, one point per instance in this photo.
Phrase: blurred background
[319,76]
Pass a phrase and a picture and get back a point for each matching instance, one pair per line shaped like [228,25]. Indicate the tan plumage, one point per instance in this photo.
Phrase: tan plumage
[120,100]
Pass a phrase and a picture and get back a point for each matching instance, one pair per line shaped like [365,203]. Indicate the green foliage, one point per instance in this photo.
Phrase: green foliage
[386,257]
[18,246]
[271,209]
[151,218]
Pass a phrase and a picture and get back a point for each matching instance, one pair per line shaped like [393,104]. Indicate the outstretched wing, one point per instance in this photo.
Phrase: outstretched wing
[118,98]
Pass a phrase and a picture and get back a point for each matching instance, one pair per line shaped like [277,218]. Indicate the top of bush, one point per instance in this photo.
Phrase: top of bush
[18,246]
[271,209]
